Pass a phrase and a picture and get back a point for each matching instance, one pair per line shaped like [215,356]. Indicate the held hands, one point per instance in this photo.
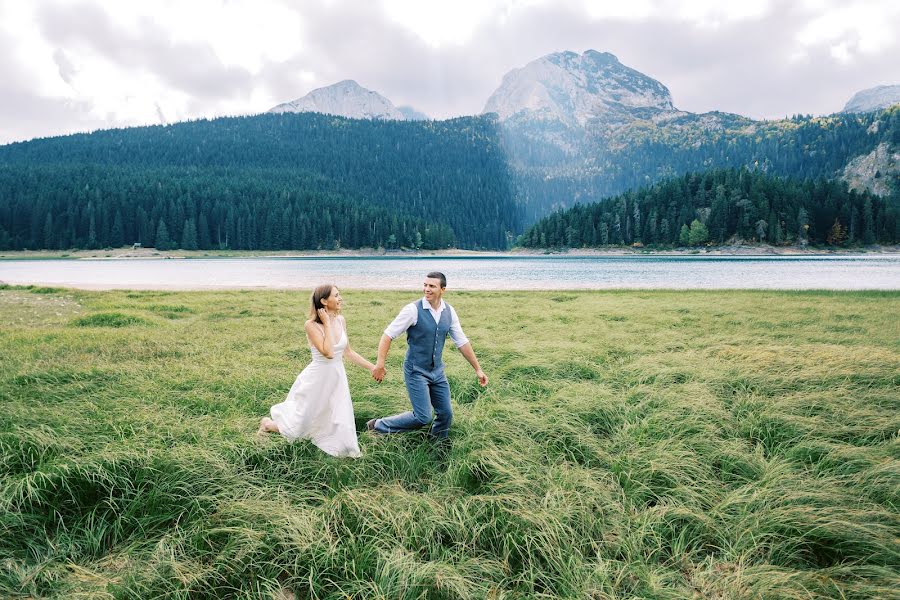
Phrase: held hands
[482,378]
[378,372]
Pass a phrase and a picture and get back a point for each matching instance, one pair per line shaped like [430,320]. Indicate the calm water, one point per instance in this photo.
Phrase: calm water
[471,273]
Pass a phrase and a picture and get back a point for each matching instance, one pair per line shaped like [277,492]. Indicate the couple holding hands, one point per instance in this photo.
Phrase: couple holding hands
[318,406]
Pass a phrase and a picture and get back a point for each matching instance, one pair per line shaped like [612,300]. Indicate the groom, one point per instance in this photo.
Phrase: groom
[427,322]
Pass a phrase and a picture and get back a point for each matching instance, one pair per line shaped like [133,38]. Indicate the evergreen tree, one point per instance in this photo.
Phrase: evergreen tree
[92,243]
[636,217]
[854,225]
[189,235]
[684,236]
[664,232]
[162,236]
[117,234]
[203,238]
[762,229]
[837,234]
[802,225]
[144,228]
[778,234]
[868,235]
[49,239]
[617,231]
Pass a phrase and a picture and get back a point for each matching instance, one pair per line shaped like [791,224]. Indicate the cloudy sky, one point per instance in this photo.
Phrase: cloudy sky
[69,65]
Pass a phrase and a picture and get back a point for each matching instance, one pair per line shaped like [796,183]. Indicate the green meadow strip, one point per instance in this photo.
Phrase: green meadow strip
[631,444]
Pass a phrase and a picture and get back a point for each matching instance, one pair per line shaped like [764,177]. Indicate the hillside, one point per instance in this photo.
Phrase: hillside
[722,205]
[268,181]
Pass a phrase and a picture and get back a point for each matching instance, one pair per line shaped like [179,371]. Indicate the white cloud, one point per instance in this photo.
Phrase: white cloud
[242,33]
[704,13]
[850,28]
[634,10]
[30,52]
[841,52]
[108,63]
[440,22]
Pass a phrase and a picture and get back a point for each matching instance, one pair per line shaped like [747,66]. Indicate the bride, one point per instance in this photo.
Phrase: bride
[318,407]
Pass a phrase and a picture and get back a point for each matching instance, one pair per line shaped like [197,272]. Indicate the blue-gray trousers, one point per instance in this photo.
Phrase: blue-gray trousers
[427,390]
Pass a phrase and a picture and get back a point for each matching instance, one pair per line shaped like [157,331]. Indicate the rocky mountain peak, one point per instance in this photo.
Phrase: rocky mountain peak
[345,98]
[876,98]
[576,88]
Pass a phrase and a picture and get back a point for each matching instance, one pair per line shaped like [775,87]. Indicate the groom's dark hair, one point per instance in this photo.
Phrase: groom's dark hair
[438,275]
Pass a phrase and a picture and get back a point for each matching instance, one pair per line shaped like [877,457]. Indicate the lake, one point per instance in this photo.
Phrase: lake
[836,272]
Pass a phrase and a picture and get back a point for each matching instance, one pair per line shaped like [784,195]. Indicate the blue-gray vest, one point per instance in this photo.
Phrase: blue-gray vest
[426,338]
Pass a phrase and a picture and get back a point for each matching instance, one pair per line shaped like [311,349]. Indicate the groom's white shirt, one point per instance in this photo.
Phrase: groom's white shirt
[409,316]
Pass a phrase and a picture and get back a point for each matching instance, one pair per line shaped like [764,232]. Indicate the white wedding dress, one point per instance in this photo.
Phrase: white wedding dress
[318,407]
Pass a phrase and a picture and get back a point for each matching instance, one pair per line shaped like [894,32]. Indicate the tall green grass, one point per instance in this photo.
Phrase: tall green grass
[630,445]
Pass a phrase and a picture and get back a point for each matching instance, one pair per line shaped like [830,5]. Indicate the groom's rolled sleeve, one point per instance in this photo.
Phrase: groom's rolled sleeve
[403,321]
[456,333]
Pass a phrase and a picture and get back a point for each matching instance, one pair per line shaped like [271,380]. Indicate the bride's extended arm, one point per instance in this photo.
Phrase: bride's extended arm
[356,359]
[351,354]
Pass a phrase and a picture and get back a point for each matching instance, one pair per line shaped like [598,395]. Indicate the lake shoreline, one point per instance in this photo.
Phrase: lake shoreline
[153,254]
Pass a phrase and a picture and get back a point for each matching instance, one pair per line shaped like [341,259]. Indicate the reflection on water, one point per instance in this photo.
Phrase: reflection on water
[854,272]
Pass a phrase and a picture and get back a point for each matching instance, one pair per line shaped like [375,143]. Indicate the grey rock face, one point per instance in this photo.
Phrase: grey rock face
[875,98]
[575,89]
[347,99]
[873,171]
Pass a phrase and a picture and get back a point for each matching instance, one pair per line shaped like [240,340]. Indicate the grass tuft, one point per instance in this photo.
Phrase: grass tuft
[109,319]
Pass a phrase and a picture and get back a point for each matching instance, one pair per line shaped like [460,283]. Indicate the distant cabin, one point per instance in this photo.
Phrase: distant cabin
[136,246]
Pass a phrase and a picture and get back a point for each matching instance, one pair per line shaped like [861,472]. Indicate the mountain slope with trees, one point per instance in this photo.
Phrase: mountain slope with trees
[721,206]
[645,151]
[274,181]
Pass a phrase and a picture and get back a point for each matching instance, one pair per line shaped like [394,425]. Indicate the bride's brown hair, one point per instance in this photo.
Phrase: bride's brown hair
[320,293]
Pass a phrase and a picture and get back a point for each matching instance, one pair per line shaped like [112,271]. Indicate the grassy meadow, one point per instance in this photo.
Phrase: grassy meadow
[631,444]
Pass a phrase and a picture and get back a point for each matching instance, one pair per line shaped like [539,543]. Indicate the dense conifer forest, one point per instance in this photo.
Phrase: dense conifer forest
[724,205]
[643,153]
[290,181]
